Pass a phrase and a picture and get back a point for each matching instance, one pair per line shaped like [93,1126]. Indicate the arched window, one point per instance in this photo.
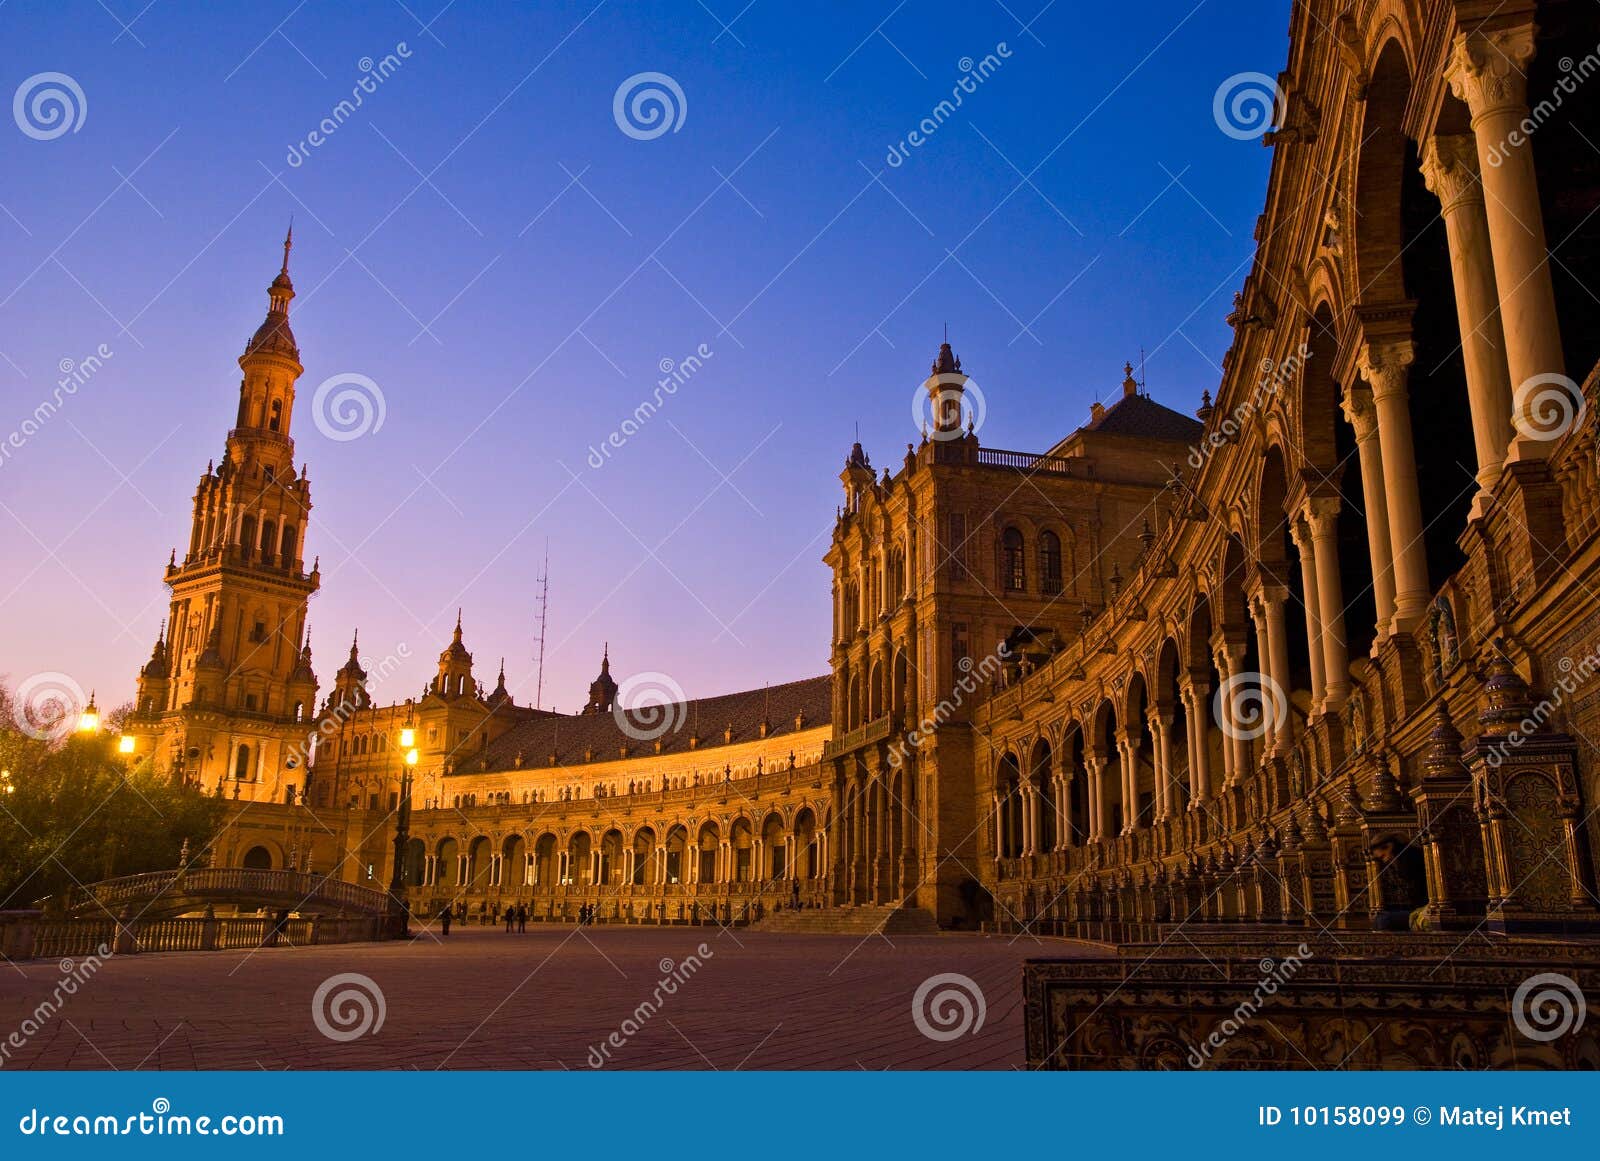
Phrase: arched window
[1012,574]
[275,414]
[1050,563]
[241,764]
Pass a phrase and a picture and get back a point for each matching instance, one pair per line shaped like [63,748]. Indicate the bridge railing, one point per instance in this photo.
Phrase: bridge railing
[225,884]
[26,935]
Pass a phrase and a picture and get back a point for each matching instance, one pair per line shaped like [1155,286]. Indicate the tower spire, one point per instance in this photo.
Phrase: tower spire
[288,244]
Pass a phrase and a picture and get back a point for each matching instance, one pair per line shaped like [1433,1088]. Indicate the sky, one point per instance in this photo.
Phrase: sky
[499,250]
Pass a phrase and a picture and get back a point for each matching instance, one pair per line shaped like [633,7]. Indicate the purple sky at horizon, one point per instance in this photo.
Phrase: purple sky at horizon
[483,241]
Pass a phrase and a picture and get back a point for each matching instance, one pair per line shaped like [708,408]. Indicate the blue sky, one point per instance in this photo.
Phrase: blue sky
[484,242]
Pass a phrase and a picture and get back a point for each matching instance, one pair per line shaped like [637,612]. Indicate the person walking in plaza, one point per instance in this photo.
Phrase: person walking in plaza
[444,918]
[511,918]
[522,919]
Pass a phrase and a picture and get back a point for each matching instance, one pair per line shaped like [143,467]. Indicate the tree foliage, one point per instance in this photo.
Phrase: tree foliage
[78,812]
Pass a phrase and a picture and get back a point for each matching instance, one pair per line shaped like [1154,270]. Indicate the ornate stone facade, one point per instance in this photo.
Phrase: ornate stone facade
[1322,655]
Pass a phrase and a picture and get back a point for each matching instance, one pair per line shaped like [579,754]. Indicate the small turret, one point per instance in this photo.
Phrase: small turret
[603,689]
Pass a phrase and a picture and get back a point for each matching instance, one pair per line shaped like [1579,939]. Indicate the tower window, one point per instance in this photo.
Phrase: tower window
[275,420]
[241,765]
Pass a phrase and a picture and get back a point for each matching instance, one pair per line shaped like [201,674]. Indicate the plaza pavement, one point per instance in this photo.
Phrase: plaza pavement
[483,999]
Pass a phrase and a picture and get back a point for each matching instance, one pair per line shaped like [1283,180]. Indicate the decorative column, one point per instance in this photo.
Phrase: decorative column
[1280,730]
[1383,366]
[1450,169]
[1235,746]
[1486,71]
[1129,769]
[1300,533]
[1099,816]
[1197,713]
[1161,733]
[1322,514]
[1362,415]
[1030,818]
[999,826]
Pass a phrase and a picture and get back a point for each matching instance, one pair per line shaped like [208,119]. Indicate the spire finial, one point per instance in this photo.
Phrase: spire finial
[288,243]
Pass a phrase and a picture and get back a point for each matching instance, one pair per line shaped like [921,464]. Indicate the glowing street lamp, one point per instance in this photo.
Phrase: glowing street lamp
[6,785]
[125,744]
[89,720]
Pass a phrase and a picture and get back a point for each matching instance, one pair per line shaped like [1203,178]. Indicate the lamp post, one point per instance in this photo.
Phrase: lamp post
[402,839]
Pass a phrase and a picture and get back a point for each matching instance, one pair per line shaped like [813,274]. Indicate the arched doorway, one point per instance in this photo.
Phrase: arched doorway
[257,858]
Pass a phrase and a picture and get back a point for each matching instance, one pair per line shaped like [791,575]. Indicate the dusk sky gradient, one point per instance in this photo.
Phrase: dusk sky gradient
[514,308]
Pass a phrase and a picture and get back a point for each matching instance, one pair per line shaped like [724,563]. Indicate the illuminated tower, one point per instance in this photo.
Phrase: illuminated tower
[227,699]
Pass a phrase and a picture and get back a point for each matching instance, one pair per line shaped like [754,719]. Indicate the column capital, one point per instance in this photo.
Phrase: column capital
[1321,513]
[1384,365]
[1487,68]
[1359,412]
[1450,169]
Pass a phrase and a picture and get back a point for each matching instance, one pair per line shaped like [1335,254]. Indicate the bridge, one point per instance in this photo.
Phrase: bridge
[162,894]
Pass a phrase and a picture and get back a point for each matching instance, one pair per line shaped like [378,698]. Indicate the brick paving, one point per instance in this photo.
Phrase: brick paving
[485,999]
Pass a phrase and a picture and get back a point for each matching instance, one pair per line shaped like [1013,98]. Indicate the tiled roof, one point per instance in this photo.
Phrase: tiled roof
[571,737]
[1144,418]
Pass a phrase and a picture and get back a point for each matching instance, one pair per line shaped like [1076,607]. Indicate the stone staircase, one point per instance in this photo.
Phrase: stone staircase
[851,920]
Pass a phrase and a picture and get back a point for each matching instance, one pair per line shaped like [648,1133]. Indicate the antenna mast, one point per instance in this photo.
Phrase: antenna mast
[544,609]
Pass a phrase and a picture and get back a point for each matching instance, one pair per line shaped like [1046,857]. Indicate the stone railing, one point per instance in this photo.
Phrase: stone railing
[863,735]
[1260,999]
[28,935]
[228,885]
[993,457]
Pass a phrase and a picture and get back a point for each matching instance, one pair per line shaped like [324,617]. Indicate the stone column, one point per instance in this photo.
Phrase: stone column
[1161,733]
[1030,818]
[1300,533]
[1322,514]
[1383,366]
[1450,168]
[1200,765]
[999,826]
[1129,768]
[1235,746]
[1362,415]
[1099,815]
[1275,692]
[1486,71]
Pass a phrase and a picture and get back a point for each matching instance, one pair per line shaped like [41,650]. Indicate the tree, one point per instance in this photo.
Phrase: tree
[76,813]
